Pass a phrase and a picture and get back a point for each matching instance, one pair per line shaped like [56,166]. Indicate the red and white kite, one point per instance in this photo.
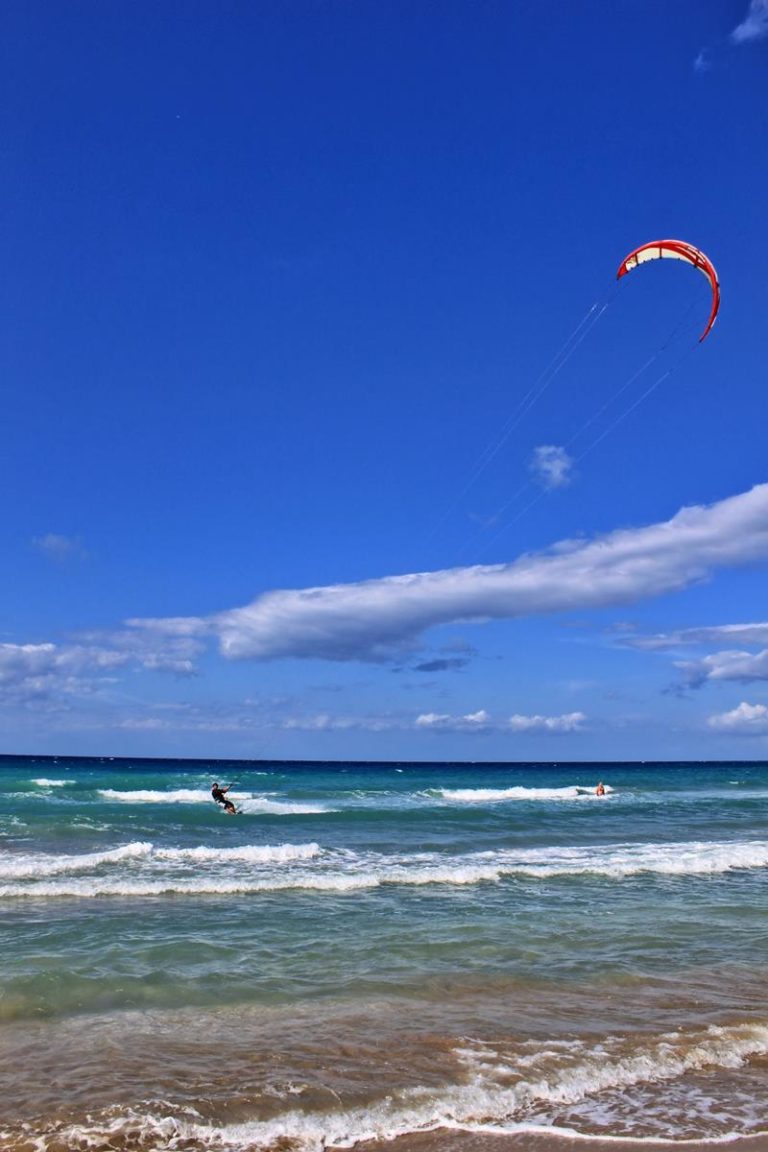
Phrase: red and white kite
[676,250]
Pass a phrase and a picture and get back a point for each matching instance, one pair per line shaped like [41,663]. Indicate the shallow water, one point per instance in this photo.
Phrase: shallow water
[395,954]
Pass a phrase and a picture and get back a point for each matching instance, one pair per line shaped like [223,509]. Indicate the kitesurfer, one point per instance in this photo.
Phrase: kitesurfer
[218,793]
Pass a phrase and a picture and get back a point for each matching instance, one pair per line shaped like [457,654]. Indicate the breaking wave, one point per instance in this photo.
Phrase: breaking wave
[141,869]
[554,1088]
[496,795]
[247,802]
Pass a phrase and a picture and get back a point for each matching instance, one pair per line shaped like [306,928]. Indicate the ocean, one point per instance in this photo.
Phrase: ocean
[387,956]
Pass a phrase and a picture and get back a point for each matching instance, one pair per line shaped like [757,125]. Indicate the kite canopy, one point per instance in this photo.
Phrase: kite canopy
[676,250]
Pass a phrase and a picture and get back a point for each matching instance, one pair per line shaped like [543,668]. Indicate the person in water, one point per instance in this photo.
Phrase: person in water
[600,790]
[218,793]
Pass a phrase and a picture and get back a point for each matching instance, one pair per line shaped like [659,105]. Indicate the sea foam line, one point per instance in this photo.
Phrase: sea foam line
[32,867]
[141,869]
[155,796]
[248,802]
[262,805]
[20,867]
[496,795]
[490,1100]
[692,858]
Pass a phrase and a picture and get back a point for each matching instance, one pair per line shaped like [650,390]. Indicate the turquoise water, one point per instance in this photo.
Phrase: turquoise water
[527,955]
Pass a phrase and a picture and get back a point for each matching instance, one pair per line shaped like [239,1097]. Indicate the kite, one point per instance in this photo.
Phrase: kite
[676,250]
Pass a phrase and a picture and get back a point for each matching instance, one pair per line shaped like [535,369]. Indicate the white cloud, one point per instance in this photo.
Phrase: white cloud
[384,618]
[741,633]
[34,672]
[551,466]
[743,667]
[144,724]
[571,722]
[58,547]
[728,664]
[20,660]
[482,722]
[180,626]
[701,63]
[174,652]
[324,722]
[745,720]
[754,26]
[46,671]
[472,722]
[46,675]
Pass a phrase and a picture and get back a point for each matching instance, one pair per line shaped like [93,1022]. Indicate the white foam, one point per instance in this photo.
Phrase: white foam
[262,805]
[35,866]
[494,1097]
[497,795]
[693,858]
[20,867]
[151,796]
[169,886]
[577,1071]
[138,868]
[250,803]
[250,853]
[43,783]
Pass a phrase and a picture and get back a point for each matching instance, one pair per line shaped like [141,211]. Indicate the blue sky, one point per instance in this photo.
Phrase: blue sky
[278,278]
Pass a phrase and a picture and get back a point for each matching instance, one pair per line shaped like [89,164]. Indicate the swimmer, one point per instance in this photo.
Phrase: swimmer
[600,790]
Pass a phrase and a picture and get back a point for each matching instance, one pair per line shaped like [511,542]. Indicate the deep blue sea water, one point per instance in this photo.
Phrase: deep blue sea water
[380,952]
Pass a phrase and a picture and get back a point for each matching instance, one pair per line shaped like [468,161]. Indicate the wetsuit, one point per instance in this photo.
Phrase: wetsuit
[218,794]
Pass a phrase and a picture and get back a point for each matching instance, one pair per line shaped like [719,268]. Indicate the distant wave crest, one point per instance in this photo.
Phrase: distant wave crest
[495,795]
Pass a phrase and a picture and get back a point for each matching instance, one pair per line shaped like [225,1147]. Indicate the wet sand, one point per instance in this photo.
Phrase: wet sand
[445,1140]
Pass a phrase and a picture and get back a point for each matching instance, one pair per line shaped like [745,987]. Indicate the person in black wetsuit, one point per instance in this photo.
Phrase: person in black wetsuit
[219,795]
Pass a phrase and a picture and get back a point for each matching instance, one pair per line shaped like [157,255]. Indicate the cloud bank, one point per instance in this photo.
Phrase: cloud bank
[729,664]
[386,618]
[482,722]
[34,673]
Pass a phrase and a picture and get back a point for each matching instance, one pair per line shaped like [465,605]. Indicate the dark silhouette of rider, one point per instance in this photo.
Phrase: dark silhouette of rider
[218,793]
